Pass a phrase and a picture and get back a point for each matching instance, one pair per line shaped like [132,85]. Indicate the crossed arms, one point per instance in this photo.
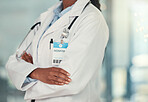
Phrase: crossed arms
[51,75]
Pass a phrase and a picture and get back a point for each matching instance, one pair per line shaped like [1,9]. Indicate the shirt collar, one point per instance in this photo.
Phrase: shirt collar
[59,12]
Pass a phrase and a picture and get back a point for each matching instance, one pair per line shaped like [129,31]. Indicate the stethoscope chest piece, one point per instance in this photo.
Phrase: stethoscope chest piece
[65,33]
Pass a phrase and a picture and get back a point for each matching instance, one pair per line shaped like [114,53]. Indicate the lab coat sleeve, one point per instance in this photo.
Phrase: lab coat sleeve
[19,70]
[28,80]
[82,59]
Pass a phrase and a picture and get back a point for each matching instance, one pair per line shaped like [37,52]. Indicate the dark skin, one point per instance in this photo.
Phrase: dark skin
[51,75]
[67,3]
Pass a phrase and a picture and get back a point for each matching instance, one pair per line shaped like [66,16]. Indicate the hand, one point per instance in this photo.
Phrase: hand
[53,75]
[27,57]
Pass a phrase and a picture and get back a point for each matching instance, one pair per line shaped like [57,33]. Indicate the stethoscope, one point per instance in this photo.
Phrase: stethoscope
[65,33]
[31,29]
[63,36]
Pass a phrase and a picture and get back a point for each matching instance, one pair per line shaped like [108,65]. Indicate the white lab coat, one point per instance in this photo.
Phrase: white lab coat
[83,58]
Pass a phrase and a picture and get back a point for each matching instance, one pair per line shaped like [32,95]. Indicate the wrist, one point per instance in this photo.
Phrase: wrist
[34,74]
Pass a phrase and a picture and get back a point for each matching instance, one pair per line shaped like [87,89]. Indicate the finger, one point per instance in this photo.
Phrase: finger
[31,58]
[23,57]
[57,79]
[61,71]
[54,83]
[62,76]
[28,58]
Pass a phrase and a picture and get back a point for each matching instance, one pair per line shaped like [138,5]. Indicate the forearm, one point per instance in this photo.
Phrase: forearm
[18,71]
[34,74]
[51,75]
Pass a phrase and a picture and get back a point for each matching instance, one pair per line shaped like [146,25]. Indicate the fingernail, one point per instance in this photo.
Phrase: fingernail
[62,83]
[69,79]
[68,74]
[66,82]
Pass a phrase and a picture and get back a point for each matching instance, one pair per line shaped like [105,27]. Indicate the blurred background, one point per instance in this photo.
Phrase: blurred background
[124,74]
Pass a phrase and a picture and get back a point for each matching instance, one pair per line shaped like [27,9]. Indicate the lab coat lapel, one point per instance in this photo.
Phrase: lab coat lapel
[66,19]
[49,18]
[45,21]
[61,22]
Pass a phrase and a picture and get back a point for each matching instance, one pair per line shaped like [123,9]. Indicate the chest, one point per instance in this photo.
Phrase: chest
[41,47]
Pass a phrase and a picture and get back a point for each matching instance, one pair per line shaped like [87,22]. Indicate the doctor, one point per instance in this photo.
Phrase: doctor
[59,60]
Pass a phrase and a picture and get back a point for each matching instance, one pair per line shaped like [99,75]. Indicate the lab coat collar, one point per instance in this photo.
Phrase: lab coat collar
[66,18]
[78,7]
[59,12]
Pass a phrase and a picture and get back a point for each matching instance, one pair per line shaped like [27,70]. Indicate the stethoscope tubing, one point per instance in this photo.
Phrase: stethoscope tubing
[39,23]
[32,28]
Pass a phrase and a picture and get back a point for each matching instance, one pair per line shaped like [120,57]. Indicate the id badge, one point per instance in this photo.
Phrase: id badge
[58,51]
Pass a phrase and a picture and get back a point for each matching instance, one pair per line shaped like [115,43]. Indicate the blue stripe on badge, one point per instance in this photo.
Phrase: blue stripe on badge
[59,45]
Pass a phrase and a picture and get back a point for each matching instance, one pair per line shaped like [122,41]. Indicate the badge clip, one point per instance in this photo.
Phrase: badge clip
[65,34]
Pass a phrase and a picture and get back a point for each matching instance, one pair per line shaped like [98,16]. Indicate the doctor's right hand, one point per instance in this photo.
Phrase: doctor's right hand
[52,75]
[27,57]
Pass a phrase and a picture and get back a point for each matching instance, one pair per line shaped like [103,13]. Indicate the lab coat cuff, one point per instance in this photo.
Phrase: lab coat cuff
[28,85]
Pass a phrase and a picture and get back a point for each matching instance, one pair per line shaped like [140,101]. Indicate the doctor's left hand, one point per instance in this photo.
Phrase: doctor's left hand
[27,57]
